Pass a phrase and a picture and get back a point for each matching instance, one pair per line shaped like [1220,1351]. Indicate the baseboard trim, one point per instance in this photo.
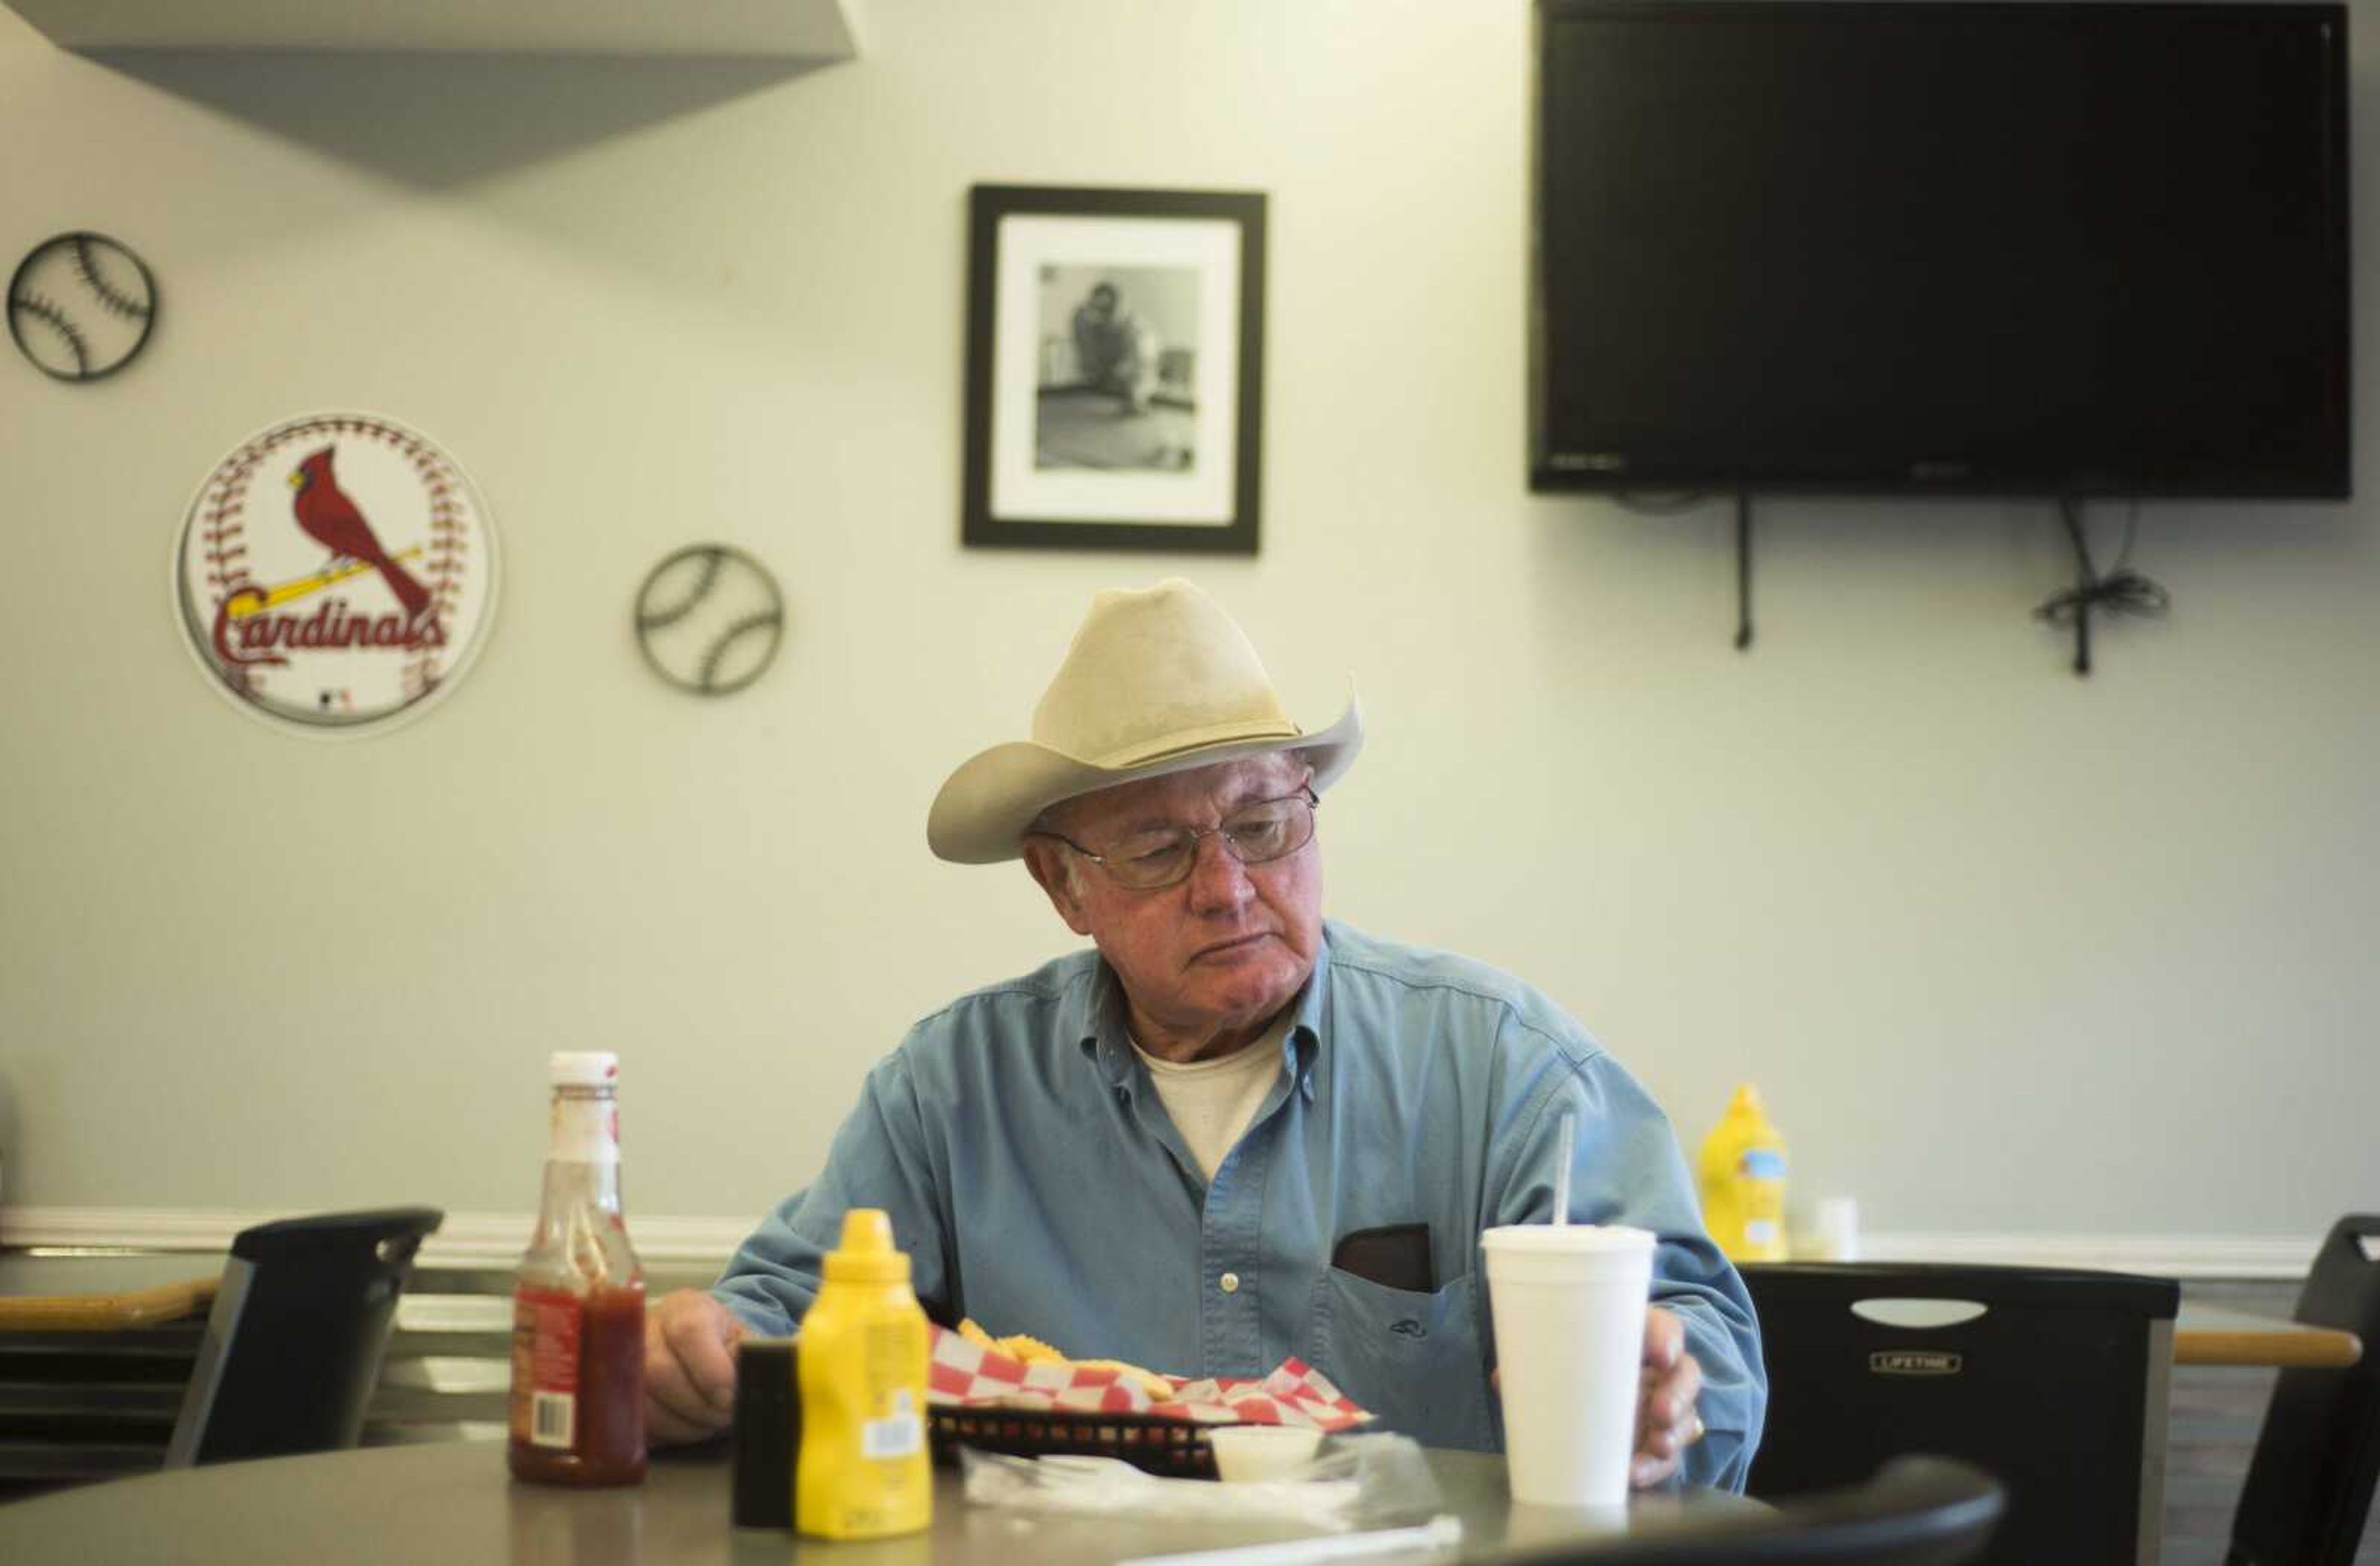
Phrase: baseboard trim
[482,1237]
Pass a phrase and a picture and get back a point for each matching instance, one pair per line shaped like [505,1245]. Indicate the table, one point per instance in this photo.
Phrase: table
[94,1353]
[2210,1335]
[102,1293]
[452,1502]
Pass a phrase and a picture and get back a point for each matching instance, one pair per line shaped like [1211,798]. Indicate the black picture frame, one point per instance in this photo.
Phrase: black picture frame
[1140,424]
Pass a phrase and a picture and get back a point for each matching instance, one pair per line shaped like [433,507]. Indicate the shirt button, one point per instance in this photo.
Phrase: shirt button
[1229,1283]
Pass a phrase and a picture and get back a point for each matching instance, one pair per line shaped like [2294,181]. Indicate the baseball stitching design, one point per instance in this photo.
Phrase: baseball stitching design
[767,620]
[86,267]
[706,574]
[43,310]
[221,580]
[62,294]
[692,660]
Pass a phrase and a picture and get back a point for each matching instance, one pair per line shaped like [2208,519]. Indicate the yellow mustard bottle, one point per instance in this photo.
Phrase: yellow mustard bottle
[1743,1182]
[863,1471]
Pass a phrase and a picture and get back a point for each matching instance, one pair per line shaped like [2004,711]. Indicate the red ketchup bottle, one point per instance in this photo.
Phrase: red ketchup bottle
[578,1308]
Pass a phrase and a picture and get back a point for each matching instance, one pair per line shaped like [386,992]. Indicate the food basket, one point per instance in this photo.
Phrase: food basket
[979,1396]
[1174,1448]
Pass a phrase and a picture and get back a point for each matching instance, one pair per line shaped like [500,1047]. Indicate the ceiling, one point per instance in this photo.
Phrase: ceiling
[809,30]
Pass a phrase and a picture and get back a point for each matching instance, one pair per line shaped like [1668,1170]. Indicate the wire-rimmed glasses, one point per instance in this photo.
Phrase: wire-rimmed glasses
[1256,834]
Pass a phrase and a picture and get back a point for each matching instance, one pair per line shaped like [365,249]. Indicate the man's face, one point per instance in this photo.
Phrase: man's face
[1207,960]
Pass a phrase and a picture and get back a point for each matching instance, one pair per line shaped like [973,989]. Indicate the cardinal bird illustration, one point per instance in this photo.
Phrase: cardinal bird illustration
[333,520]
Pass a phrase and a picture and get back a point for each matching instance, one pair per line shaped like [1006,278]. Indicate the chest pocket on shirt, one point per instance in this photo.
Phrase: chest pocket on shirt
[1411,1358]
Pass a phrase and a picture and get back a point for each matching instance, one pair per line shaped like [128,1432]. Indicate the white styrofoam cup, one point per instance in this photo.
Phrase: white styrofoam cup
[1568,1306]
[1835,1230]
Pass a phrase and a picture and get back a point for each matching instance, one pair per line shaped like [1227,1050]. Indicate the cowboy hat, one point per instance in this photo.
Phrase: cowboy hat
[1158,680]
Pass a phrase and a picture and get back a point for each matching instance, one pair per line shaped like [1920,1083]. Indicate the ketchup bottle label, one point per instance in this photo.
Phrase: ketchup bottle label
[546,1330]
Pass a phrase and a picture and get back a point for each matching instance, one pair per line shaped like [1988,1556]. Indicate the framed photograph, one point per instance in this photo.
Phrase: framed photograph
[1115,367]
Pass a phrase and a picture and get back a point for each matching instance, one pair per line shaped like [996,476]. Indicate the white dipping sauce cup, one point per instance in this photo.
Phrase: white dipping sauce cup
[1261,1451]
[1569,1304]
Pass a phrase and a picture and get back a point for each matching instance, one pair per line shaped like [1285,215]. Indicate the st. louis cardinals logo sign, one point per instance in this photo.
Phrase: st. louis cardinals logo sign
[336,571]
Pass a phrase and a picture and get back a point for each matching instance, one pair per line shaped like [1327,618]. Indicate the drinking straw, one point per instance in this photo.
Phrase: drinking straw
[1562,1166]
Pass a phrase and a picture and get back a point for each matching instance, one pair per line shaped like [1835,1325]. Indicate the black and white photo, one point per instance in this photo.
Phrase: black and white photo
[1115,360]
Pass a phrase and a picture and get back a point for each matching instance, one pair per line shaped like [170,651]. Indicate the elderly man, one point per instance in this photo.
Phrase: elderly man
[1233,1131]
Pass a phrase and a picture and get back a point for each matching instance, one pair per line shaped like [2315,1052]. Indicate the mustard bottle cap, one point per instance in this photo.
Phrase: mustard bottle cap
[1744,1130]
[866,1229]
[865,1253]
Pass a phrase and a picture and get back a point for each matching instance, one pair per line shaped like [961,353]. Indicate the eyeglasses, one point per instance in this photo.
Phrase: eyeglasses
[1271,829]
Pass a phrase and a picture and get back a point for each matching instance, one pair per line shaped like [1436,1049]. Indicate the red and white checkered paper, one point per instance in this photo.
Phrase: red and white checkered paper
[968,1375]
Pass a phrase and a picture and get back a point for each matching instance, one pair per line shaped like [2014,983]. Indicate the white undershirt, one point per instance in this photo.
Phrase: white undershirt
[1212,1101]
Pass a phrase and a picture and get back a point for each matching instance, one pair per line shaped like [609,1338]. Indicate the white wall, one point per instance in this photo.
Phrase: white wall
[2007,950]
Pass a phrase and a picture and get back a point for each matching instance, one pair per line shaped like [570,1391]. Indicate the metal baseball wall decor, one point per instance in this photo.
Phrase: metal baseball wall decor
[81,306]
[710,619]
[335,573]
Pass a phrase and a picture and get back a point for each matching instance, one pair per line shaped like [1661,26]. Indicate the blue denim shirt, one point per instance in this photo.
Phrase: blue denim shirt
[1037,1185]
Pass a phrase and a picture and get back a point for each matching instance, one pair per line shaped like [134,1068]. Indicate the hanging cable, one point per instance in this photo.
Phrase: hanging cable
[1743,572]
[2121,591]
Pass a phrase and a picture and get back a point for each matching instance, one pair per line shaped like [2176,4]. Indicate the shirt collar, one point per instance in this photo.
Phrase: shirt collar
[1106,1038]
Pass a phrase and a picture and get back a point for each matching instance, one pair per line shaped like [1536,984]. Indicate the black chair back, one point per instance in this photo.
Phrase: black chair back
[2053,1381]
[292,1348]
[1915,1512]
[2310,1482]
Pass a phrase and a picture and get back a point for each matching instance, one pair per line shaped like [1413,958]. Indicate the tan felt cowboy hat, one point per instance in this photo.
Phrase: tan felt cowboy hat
[1158,681]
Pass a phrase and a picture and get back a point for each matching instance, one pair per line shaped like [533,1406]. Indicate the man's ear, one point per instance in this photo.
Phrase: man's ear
[1056,879]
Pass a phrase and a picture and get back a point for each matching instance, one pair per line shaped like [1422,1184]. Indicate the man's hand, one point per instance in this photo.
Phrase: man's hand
[690,1343]
[1666,1421]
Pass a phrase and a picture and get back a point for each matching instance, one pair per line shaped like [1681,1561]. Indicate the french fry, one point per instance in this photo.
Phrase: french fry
[1159,1387]
[1033,1351]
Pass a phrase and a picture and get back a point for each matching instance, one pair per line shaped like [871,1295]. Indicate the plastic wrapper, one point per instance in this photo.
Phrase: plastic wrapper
[1365,1481]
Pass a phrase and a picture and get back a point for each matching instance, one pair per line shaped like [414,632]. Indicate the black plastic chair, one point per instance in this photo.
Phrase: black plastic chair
[1915,1512]
[2310,1482]
[293,1345]
[2053,1381]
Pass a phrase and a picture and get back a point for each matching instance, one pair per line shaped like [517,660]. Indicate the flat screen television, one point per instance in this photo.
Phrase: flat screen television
[2019,248]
